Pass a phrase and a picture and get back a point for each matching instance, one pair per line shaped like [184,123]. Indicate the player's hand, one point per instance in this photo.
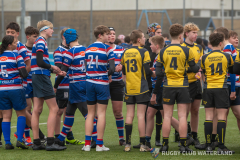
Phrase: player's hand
[55,90]
[118,68]
[233,95]
[55,69]
[153,99]
[110,79]
[153,74]
[198,75]
[152,68]
[62,73]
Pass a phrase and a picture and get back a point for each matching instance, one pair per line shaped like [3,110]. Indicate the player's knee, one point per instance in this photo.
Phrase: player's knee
[117,113]
[60,112]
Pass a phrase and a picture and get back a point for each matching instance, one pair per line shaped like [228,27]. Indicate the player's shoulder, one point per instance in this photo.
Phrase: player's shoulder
[199,46]
[119,47]
[40,39]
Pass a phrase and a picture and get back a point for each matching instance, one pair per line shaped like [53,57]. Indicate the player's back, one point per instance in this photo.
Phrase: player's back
[174,58]
[74,59]
[133,59]
[216,64]
[97,56]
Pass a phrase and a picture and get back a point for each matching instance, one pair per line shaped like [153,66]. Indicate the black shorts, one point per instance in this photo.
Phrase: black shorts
[42,86]
[159,105]
[139,99]
[237,100]
[62,104]
[195,90]
[216,98]
[180,95]
[116,90]
[62,94]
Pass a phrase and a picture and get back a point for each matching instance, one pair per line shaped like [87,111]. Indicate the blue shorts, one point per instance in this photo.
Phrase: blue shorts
[77,92]
[29,91]
[13,99]
[97,92]
[237,100]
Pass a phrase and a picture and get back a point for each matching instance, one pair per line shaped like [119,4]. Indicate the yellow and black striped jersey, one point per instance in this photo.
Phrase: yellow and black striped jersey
[174,58]
[237,59]
[215,67]
[133,60]
[197,53]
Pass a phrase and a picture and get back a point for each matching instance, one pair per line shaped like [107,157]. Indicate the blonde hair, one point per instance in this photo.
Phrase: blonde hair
[62,31]
[43,23]
[190,27]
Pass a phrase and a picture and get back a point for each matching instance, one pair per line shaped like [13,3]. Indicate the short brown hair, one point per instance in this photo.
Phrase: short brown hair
[43,23]
[224,31]
[216,38]
[175,30]
[31,31]
[62,31]
[101,29]
[232,34]
[158,40]
[135,35]
[165,35]
[13,26]
[190,27]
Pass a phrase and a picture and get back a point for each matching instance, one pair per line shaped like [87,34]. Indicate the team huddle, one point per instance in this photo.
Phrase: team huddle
[154,74]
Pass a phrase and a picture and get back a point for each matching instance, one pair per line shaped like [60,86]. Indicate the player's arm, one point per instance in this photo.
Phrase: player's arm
[28,65]
[60,78]
[111,67]
[160,75]
[23,72]
[21,67]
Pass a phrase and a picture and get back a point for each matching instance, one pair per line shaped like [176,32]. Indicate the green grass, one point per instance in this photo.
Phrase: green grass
[111,141]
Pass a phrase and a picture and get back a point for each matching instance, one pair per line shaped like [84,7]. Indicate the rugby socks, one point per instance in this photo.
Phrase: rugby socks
[142,140]
[1,128]
[148,139]
[70,135]
[56,135]
[183,141]
[128,130]
[99,142]
[50,141]
[21,123]
[6,131]
[208,127]
[94,133]
[37,141]
[120,127]
[165,141]
[158,126]
[194,135]
[88,140]
[69,119]
[27,131]
[221,129]
[214,137]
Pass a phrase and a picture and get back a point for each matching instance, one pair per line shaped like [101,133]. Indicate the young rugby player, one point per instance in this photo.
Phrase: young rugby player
[42,87]
[215,66]
[98,56]
[195,89]
[135,61]
[12,71]
[117,86]
[174,58]
[31,35]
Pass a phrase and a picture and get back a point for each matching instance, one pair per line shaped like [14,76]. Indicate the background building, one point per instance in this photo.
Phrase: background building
[120,14]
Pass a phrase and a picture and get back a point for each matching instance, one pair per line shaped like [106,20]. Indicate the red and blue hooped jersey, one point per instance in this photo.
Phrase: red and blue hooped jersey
[40,45]
[97,56]
[118,52]
[21,49]
[10,78]
[74,59]
[29,78]
[58,56]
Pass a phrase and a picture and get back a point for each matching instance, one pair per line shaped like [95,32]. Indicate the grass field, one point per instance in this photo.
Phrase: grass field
[111,141]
